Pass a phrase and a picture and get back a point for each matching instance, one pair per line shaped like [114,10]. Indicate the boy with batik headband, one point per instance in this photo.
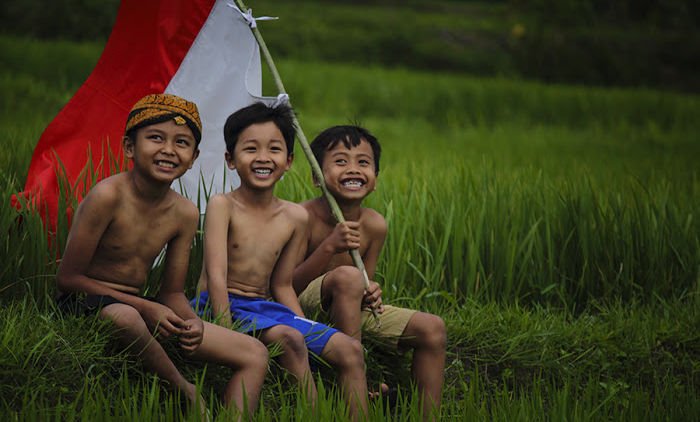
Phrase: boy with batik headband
[252,242]
[331,288]
[120,228]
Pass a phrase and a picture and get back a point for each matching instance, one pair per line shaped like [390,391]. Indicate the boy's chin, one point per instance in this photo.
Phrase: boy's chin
[358,196]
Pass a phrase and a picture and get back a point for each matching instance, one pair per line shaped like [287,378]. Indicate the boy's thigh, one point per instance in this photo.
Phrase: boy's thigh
[316,335]
[124,317]
[390,328]
[218,344]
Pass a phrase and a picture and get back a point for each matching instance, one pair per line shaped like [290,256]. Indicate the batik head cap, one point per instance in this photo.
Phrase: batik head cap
[158,108]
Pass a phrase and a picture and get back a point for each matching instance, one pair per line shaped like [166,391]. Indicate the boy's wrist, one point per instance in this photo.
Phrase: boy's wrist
[327,248]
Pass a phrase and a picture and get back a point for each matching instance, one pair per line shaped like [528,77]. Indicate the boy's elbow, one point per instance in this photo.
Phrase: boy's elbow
[65,282]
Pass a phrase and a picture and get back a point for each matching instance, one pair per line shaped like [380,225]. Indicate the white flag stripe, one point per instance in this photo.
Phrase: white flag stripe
[220,73]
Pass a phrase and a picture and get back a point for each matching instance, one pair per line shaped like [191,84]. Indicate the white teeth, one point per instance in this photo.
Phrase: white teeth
[262,171]
[165,164]
[353,183]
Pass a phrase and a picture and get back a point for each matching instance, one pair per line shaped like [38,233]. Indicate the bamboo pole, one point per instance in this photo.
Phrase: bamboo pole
[315,168]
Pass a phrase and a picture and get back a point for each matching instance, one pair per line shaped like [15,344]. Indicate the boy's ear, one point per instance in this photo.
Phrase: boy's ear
[194,157]
[290,159]
[128,146]
[229,161]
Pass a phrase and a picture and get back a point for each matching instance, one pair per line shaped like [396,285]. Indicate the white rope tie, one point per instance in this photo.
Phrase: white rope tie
[282,99]
[248,16]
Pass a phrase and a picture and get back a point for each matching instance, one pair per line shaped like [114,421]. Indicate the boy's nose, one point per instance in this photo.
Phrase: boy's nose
[167,148]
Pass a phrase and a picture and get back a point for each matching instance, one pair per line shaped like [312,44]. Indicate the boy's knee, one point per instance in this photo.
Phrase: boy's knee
[123,316]
[345,281]
[432,331]
[292,341]
[352,353]
[260,356]
[436,336]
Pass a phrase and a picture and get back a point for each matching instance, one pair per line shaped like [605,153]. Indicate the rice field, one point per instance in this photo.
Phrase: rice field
[554,228]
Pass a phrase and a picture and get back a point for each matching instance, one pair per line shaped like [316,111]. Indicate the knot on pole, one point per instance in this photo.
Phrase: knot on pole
[248,16]
[282,99]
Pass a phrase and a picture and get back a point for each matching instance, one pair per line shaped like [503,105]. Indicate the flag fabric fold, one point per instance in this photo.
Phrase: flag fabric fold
[201,50]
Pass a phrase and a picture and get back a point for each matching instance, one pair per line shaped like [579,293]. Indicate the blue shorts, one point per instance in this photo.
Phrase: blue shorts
[257,314]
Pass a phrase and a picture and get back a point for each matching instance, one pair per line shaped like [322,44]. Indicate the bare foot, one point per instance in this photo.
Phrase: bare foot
[197,400]
[383,391]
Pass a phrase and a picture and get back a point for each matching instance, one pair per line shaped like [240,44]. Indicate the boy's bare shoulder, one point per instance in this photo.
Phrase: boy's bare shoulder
[314,207]
[107,192]
[296,212]
[373,221]
[219,199]
[185,208]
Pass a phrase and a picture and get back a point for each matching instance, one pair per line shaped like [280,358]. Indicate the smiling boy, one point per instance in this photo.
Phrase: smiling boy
[252,241]
[120,228]
[329,286]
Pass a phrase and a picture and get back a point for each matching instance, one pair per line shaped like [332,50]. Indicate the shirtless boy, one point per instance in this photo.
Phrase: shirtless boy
[120,228]
[329,285]
[252,242]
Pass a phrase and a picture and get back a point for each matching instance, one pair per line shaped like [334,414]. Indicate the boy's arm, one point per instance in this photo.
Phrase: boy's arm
[345,236]
[377,230]
[216,227]
[281,285]
[172,288]
[91,219]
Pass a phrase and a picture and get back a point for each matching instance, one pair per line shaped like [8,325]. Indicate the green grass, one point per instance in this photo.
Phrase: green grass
[554,228]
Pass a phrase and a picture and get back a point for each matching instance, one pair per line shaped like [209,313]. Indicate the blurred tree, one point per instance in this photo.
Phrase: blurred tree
[62,19]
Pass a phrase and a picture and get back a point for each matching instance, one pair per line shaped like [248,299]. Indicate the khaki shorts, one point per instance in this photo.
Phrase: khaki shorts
[393,320]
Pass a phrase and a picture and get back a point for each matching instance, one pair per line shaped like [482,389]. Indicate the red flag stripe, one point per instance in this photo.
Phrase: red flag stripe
[148,42]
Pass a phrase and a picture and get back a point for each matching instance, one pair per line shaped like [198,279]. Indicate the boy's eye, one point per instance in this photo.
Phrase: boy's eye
[364,162]
[276,149]
[183,142]
[155,137]
[340,161]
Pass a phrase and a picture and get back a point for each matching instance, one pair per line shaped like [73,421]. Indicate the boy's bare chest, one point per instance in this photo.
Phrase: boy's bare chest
[259,235]
[133,234]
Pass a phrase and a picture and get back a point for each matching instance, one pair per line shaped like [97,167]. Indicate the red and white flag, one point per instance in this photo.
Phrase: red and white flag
[201,50]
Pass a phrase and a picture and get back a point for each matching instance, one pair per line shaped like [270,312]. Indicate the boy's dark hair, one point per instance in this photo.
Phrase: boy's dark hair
[281,116]
[350,136]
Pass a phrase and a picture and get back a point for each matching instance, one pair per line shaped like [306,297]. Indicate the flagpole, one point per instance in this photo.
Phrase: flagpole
[315,168]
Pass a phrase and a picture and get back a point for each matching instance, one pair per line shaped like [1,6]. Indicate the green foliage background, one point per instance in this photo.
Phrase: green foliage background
[649,43]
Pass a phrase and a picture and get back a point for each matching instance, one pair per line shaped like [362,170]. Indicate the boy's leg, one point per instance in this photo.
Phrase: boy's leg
[135,335]
[294,357]
[345,354]
[341,294]
[245,355]
[426,335]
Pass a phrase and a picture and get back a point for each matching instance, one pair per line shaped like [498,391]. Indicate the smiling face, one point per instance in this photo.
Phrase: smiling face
[260,156]
[162,151]
[349,173]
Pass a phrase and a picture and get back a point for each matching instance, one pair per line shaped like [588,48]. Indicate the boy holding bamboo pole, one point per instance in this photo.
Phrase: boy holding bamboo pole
[327,282]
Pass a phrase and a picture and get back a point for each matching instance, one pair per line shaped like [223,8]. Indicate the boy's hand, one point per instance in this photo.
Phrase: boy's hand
[345,236]
[162,319]
[373,297]
[192,334]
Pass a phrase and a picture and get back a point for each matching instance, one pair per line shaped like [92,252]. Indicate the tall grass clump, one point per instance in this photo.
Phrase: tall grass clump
[520,238]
